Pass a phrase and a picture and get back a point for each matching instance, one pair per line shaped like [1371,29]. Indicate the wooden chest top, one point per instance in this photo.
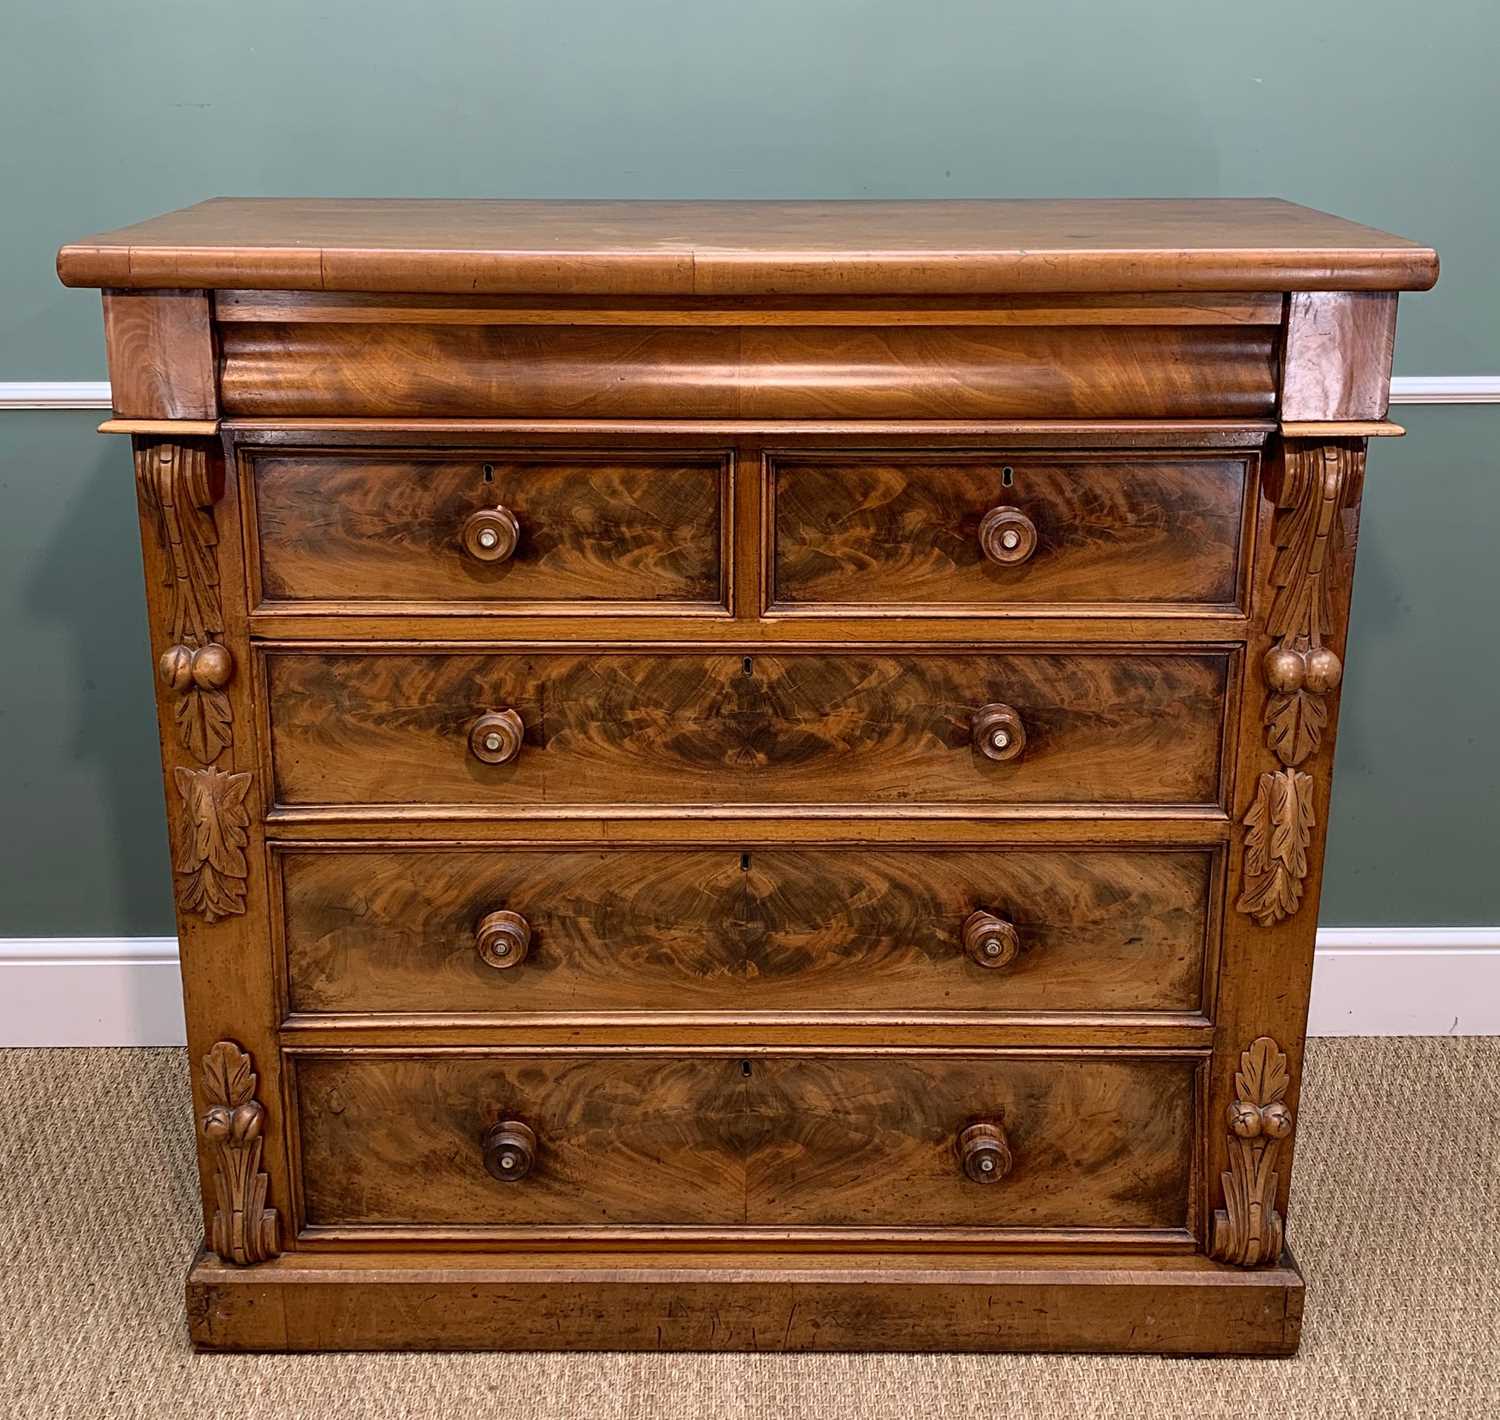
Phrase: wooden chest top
[971,247]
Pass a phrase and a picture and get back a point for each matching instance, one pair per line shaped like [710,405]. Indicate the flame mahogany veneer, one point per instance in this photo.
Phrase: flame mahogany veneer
[748,776]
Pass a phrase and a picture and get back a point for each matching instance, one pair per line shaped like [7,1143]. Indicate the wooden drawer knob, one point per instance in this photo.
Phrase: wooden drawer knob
[509,1150]
[503,939]
[491,534]
[496,736]
[1007,536]
[984,1152]
[990,940]
[998,731]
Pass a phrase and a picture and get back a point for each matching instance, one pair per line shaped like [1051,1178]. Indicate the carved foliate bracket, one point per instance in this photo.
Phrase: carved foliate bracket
[176,482]
[244,1229]
[178,488]
[1318,481]
[1248,1230]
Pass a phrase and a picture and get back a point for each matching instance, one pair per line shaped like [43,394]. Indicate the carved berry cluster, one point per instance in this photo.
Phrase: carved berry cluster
[1248,1120]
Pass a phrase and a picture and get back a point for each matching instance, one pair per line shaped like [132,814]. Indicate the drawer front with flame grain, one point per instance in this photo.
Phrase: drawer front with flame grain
[857,726]
[803,929]
[1024,530]
[499,529]
[574,1139]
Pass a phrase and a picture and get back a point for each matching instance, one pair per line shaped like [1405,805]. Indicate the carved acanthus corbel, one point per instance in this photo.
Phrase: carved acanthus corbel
[1300,669]
[1317,482]
[211,827]
[176,487]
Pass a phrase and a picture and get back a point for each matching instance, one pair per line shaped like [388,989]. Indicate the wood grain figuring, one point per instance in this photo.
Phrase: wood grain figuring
[852,372]
[161,355]
[907,533]
[810,728]
[970,247]
[1339,348]
[839,930]
[722,1142]
[391,528]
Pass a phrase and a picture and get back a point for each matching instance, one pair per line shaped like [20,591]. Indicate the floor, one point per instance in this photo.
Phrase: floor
[1397,1228]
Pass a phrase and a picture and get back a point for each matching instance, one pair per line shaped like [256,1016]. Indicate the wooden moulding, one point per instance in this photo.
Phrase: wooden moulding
[731,1302]
[296,370]
[1342,429]
[165,428]
[355,308]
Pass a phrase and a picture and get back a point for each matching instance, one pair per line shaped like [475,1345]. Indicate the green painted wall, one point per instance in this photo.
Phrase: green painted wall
[1365,107]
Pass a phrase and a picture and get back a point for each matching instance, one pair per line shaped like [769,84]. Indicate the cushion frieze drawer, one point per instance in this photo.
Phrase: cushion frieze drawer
[504,530]
[1025,530]
[508,1142]
[504,930]
[559,727]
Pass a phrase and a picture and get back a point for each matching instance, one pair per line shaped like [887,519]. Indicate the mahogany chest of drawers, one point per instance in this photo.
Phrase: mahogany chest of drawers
[748,775]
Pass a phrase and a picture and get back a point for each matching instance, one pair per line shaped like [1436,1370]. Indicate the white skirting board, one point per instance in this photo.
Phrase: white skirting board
[1367,981]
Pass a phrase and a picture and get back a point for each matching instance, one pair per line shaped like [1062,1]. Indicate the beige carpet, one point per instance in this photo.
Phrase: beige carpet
[1397,1229]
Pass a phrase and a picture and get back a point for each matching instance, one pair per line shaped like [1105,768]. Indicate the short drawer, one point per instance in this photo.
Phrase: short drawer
[979,533]
[506,930]
[498,528]
[795,727]
[577,1140]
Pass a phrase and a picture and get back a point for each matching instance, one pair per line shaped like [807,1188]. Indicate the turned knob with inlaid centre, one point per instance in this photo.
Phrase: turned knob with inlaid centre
[496,736]
[1007,536]
[491,534]
[509,1150]
[503,938]
[984,1151]
[990,940]
[998,732]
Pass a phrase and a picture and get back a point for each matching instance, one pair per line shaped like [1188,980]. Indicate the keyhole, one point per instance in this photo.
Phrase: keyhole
[744,862]
[748,666]
[489,473]
[745,1068]
[1007,476]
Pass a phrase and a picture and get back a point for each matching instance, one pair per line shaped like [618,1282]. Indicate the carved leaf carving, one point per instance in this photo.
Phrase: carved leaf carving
[1280,824]
[205,723]
[1295,721]
[174,483]
[1308,534]
[1249,1230]
[1263,1076]
[228,1078]
[211,853]
[244,1229]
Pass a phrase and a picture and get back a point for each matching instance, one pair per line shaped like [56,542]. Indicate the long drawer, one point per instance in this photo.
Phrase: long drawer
[419,1141]
[505,930]
[890,727]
